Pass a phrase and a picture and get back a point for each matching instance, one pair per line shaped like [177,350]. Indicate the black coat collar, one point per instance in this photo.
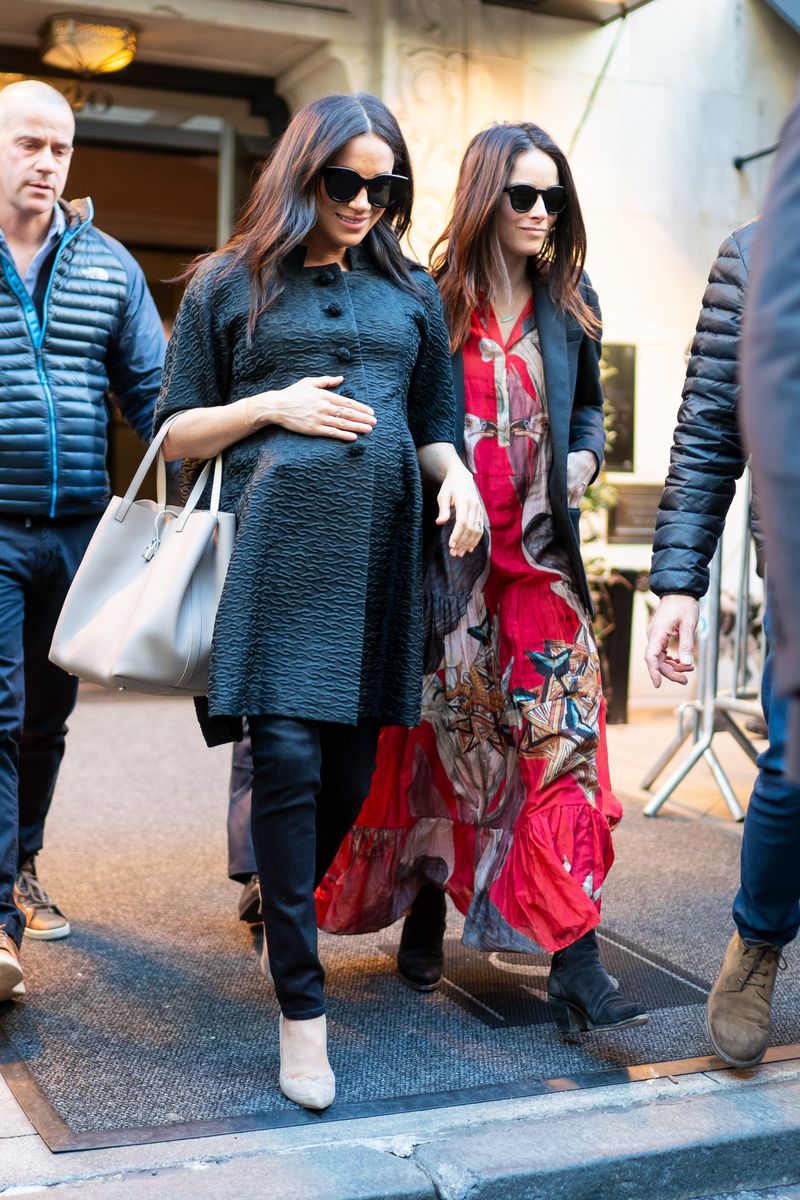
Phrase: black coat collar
[359,258]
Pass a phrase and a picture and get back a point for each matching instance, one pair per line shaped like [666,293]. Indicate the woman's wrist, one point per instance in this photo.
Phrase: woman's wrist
[260,410]
[454,467]
[437,459]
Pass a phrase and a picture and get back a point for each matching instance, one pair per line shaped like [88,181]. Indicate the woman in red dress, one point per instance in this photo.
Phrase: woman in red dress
[502,796]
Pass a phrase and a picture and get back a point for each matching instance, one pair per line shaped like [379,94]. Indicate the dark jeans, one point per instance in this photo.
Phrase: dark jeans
[241,855]
[310,779]
[767,907]
[38,559]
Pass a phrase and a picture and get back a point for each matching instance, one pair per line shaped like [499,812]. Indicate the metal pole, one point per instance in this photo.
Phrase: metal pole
[707,684]
[226,182]
[743,159]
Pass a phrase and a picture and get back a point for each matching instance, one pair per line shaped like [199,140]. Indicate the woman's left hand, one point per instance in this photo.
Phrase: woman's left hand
[459,493]
[581,470]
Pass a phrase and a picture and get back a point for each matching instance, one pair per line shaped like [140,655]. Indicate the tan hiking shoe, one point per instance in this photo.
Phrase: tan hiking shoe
[11,985]
[740,1002]
[44,920]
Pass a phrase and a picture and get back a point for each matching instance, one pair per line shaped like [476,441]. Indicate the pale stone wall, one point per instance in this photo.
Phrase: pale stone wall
[690,86]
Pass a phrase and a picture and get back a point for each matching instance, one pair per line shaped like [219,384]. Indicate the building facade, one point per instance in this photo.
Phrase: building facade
[653,106]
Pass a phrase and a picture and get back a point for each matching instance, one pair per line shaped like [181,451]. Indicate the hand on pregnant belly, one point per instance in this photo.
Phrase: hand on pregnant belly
[308,407]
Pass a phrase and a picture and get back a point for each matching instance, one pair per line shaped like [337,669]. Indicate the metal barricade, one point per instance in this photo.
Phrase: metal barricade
[710,712]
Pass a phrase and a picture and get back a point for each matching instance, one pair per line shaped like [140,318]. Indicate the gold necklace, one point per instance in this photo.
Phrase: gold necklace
[512,315]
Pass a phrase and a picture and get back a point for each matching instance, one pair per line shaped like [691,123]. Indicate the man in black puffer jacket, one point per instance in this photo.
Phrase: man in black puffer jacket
[76,321]
[706,460]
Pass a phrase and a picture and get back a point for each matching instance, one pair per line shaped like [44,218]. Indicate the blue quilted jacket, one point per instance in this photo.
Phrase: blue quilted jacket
[91,328]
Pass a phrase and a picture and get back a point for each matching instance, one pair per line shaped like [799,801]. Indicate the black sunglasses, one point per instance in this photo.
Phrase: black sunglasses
[342,185]
[523,196]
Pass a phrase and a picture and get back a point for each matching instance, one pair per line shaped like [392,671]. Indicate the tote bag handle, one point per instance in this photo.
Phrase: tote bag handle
[153,451]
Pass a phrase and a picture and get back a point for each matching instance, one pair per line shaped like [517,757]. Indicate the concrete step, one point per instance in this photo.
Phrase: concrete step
[722,1134]
[672,1150]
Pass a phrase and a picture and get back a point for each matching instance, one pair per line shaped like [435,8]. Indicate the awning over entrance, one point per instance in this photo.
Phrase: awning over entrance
[201,39]
[598,11]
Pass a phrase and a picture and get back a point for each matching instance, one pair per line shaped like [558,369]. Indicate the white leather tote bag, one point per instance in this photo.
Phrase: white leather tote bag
[140,612]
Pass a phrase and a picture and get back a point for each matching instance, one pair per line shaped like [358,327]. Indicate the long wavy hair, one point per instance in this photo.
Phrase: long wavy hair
[467,259]
[282,209]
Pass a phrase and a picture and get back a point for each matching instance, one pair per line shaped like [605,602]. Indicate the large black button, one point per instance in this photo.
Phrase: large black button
[343,354]
[357,448]
[334,310]
[327,278]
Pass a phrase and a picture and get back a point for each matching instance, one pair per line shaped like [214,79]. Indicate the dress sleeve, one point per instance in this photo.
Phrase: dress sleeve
[431,395]
[197,367]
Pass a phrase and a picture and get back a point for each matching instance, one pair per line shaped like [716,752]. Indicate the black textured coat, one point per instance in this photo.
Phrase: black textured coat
[707,455]
[321,613]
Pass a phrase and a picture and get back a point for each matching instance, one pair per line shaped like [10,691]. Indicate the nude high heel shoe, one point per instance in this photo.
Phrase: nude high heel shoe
[309,1091]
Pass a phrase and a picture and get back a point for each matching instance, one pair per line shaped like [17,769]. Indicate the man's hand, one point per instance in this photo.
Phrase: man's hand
[675,617]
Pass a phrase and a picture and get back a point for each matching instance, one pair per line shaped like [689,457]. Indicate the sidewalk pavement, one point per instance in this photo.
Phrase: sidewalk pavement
[633,748]
[667,1138]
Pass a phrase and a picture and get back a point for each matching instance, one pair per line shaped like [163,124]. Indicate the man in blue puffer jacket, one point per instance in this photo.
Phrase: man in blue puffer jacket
[76,323]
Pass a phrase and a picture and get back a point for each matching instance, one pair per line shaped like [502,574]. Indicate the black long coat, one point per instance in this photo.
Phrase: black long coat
[321,613]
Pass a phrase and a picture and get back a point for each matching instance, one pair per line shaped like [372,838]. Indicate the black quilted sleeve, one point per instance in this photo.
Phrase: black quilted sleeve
[707,456]
[197,367]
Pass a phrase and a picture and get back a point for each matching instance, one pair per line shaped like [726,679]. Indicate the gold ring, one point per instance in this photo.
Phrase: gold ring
[338,412]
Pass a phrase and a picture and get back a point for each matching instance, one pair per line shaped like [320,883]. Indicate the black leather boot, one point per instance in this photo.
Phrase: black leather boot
[583,996]
[419,959]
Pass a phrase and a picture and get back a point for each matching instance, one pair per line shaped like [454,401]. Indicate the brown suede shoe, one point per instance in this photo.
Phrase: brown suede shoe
[739,1005]
[11,985]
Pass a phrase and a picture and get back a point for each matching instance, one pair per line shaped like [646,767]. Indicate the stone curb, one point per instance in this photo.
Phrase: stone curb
[662,1139]
[673,1151]
[319,1173]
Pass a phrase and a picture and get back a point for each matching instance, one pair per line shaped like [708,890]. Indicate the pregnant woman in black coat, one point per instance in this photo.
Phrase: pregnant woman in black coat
[315,355]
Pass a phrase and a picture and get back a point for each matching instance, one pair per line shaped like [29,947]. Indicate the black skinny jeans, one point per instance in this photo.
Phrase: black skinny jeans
[310,779]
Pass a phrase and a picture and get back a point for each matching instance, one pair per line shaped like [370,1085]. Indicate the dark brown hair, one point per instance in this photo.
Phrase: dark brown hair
[282,209]
[467,257]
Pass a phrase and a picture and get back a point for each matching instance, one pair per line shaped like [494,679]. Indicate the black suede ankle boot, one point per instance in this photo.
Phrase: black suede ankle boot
[583,996]
[419,959]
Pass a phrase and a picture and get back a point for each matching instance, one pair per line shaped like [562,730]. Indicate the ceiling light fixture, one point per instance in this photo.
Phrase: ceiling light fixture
[87,47]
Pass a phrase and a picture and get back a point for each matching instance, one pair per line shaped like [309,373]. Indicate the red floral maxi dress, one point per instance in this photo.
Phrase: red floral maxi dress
[502,794]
